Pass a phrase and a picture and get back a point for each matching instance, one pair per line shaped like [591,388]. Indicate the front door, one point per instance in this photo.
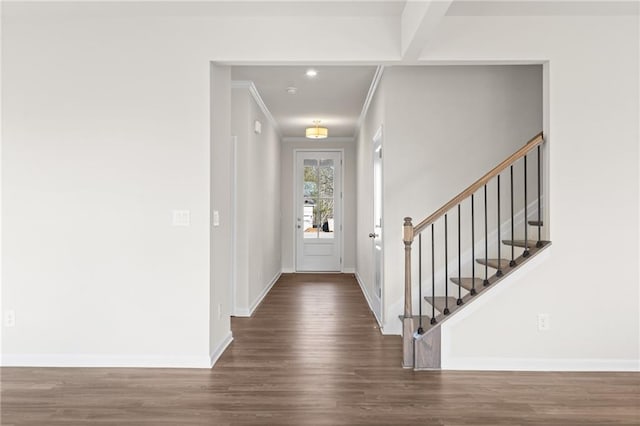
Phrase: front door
[318,211]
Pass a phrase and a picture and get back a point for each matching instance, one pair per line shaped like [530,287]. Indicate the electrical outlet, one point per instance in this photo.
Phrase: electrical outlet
[544,323]
[10,318]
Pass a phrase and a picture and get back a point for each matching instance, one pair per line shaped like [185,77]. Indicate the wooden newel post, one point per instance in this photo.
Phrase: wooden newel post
[408,240]
[407,322]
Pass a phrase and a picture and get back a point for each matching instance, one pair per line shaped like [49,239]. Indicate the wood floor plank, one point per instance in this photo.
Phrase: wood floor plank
[312,354]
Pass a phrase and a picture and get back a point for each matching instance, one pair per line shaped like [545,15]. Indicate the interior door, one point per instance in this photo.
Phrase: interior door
[318,211]
[376,235]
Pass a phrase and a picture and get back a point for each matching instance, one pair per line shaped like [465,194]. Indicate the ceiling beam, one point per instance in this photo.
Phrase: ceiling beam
[419,20]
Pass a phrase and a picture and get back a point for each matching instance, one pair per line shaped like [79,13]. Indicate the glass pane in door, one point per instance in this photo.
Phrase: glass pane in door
[318,215]
[325,214]
[310,197]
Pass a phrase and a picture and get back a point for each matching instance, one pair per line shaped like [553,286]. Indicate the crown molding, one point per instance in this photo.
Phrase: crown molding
[367,102]
[338,139]
[253,90]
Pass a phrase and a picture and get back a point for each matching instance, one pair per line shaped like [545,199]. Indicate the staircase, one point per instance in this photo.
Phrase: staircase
[489,244]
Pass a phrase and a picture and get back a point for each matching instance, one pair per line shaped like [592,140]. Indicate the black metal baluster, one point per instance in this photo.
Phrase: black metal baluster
[459,301]
[512,263]
[433,277]
[420,329]
[446,268]
[499,272]
[539,243]
[486,241]
[526,218]
[473,250]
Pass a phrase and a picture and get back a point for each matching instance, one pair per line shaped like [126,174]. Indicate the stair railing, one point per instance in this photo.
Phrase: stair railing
[413,326]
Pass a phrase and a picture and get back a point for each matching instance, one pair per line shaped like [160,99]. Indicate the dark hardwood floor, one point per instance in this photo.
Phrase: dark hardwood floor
[312,355]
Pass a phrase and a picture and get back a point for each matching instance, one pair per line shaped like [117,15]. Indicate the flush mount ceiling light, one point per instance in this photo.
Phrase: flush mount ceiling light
[316,132]
[292,90]
[311,73]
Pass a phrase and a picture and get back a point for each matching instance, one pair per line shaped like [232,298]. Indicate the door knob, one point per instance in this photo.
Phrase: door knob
[372,235]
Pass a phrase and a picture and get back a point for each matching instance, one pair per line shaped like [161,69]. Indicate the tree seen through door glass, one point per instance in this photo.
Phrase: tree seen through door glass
[318,198]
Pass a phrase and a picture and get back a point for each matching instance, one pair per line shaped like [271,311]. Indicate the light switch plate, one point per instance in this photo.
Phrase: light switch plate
[544,323]
[181,218]
[216,218]
[10,318]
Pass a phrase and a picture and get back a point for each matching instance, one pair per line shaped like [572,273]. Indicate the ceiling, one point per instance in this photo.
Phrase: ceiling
[543,8]
[335,96]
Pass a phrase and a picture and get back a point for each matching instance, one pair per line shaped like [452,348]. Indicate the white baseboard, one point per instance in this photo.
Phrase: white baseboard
[219,350]
[392,328]
[535,364]
[393,325]
[106,361]
[368,299]
[243,312]
[121,361]
[348,270]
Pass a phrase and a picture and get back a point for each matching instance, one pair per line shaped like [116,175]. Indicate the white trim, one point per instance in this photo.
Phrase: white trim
[219,350]
[249,312]
[536,364]
[493,290]
[368,298]
[367,101]
[378,140]
[336,139]
[348,270]
[295,205]
[505,232]
[253,90]
[392,324]
[104,360]
[234,224]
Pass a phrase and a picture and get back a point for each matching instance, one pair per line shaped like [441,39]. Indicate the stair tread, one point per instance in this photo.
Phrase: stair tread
[536,223]
[520,243]
[495,263]
[424,318]
[440,303]
[467,283]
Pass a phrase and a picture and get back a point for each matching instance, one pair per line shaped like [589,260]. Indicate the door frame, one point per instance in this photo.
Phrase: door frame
[378,138]
[295,206]
[234,225]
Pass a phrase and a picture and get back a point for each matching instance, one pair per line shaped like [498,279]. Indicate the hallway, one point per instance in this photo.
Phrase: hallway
[312,355]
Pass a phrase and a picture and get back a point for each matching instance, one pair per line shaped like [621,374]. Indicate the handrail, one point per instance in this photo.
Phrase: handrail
[533,143]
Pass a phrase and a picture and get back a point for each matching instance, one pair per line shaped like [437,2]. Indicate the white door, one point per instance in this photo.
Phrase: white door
[376,235]
[318,211]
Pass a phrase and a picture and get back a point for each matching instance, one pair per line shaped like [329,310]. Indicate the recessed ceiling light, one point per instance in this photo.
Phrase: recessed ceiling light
[292,90]
[311,72]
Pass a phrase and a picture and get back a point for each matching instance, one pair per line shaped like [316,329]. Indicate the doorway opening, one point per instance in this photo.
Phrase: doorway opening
[318,210]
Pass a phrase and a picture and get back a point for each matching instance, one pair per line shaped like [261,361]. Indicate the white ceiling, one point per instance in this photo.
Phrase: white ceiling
[543,7]
[335,96]
[216,8]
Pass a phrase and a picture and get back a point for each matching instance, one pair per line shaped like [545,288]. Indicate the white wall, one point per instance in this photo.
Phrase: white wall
[445,127]
[374,119]
[258,202]
[220,186]
[589,282]
[100,143]
[349,200]
[106,129]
